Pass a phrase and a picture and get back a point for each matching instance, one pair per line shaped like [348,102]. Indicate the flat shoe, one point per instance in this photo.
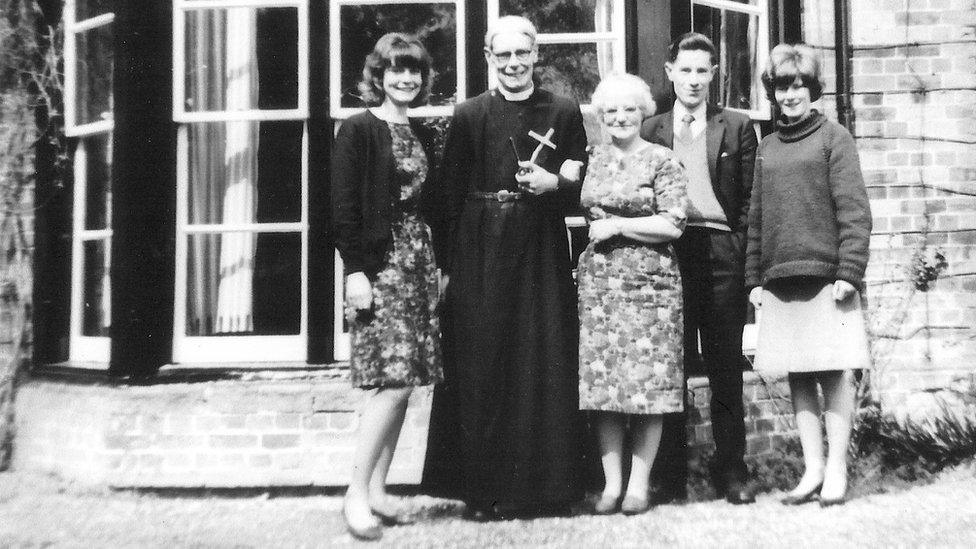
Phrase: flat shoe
[634,506]
[799,499]
[369,533]
[828,502]
[393,518]
[606,505]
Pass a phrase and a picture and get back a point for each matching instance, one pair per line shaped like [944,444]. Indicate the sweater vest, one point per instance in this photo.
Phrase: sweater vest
[704,209]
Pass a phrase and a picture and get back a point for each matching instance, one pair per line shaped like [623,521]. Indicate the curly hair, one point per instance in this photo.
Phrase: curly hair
[395,49]
[635,85]
[787,63]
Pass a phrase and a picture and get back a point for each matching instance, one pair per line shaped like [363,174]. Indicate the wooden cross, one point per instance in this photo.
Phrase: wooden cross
[543,143]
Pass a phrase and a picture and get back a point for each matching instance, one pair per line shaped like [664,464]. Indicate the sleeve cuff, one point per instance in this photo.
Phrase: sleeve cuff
[853,275]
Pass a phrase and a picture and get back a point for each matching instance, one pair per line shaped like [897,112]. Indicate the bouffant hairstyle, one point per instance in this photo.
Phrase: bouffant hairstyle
[395,49]
[789,62]
[629,83]
[692,41]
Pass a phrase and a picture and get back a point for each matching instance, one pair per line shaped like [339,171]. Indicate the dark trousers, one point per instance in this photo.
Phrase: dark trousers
[712,266]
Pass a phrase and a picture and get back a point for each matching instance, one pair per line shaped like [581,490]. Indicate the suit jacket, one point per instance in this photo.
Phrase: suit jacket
[731,148]
[365,198]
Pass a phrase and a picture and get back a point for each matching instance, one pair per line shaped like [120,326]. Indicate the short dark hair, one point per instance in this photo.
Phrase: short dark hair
[395,49]
[690,41]
[789,62]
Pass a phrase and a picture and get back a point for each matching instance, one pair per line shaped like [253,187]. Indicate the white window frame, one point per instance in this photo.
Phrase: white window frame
[338,112]
[93,350]
[180,10]
[760,9]
[72,29]
[250,349]
[616,36]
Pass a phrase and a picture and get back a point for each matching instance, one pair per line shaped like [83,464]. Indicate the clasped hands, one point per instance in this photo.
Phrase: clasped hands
[842,291]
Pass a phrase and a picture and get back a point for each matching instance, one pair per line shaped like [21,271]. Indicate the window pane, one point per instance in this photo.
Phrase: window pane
[562,15]
[98,181]
[434,24]
[86,9]
[245,172]
[241,59]
[572,69]
[736,35]
[244,284]
[96,313]
[94,75]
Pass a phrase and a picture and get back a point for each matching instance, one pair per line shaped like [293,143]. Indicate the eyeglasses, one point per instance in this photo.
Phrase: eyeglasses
[506,56]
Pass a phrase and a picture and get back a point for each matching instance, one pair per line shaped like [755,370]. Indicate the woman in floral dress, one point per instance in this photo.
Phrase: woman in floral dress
[380,164]
[630,291]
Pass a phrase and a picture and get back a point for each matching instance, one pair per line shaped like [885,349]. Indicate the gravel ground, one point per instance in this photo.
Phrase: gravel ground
[41,511]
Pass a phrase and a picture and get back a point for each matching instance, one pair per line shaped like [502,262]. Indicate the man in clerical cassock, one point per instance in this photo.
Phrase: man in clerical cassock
[505,431]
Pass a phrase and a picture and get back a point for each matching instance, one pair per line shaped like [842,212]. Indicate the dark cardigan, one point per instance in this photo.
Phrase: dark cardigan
[810,214]
[365,198]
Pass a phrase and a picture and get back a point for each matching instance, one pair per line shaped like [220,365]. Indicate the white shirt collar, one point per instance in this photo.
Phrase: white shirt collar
[516,96]
[698,125]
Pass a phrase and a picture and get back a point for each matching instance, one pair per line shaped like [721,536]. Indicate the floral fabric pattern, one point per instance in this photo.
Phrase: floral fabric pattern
[630,292]
[397,344]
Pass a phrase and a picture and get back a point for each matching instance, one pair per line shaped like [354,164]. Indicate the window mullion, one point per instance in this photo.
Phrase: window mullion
[577,37]
[89,24]
[732,6]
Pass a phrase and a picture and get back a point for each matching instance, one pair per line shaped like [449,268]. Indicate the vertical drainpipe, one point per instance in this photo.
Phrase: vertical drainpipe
[842,60]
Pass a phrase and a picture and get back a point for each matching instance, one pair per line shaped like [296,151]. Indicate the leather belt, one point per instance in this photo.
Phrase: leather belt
[500,196]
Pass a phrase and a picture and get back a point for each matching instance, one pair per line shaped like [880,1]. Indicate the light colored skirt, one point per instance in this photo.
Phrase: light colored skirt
[802,329]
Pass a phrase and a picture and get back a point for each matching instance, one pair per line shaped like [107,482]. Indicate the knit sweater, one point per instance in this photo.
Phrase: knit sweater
[810,214]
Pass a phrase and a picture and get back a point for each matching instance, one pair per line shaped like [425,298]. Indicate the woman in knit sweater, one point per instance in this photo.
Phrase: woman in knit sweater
[809,229]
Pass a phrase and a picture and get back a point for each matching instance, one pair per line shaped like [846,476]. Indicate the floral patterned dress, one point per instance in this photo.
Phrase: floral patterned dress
[629,291]
[398,343]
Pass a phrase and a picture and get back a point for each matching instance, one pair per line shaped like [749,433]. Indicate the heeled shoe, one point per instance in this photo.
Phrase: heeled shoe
[606,505]
[633,505]
[369,533]
[800,499]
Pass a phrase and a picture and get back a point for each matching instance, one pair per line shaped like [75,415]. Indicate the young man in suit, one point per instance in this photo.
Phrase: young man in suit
[718,150]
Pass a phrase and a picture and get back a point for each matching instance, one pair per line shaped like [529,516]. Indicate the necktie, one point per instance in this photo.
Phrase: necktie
[684,133]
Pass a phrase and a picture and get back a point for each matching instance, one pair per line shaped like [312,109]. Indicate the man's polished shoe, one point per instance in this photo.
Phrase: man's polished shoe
[739,493]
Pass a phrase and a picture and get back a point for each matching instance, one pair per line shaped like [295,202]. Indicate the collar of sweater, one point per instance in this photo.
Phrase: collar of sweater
[790,132]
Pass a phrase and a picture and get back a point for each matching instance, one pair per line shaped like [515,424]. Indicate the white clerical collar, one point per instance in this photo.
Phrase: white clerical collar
[516,96]
[680,110]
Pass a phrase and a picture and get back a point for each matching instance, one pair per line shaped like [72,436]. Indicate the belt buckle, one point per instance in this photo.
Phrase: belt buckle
[504,195]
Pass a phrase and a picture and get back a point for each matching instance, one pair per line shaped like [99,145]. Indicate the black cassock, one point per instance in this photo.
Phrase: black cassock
[505,426]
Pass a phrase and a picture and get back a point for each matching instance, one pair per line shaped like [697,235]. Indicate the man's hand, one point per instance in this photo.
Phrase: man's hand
[755,297]
[843,290]
[534,179]
[359,292]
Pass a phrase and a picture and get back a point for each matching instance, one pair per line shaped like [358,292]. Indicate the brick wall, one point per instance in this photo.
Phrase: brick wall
[914,95]
[237,433]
